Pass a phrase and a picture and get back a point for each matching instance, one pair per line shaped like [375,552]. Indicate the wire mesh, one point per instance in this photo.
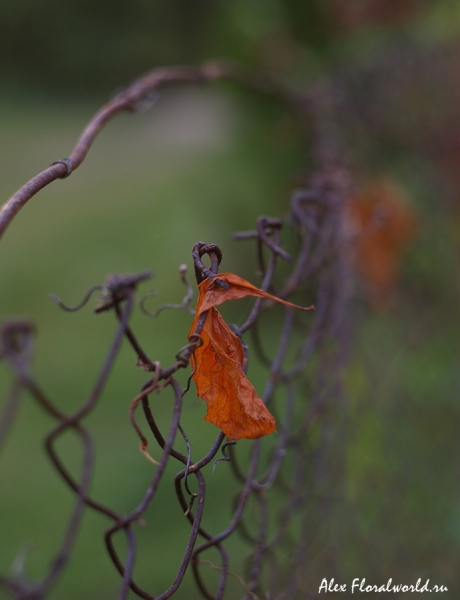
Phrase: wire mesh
[284,475]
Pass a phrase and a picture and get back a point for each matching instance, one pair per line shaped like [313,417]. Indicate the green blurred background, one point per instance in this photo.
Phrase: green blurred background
[199,165]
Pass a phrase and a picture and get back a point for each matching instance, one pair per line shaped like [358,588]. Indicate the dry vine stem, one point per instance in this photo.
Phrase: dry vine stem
[305,397]
[131,100]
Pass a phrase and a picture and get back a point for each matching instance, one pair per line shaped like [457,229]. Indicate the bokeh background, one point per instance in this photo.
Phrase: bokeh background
[197,166]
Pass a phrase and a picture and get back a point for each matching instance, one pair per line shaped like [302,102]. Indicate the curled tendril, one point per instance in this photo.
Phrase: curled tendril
[115,290]
[226,457]
[144,444]
[194,342]
[192,495]
[185,304]
[189,381]
[81,304]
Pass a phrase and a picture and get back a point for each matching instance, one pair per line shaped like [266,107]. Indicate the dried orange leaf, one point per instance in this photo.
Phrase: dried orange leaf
[233,403]
[213,295]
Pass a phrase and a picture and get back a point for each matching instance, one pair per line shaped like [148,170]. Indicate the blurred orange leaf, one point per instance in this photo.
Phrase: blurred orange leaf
[233,403]
[384,225]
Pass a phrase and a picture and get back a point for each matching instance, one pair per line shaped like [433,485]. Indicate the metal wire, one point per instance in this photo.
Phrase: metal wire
[307,393]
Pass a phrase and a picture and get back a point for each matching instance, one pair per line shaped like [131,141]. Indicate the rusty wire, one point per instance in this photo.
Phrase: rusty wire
[310,392]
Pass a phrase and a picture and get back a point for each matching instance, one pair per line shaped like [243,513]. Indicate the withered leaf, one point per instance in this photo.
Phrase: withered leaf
[233,403]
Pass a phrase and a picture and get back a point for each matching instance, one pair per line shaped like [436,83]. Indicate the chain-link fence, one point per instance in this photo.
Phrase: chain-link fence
[303,387]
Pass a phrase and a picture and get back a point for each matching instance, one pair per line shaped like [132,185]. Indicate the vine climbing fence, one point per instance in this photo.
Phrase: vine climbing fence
[285,492]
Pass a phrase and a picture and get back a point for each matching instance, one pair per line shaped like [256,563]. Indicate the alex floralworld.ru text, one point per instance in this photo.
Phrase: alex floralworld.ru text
[359,585]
